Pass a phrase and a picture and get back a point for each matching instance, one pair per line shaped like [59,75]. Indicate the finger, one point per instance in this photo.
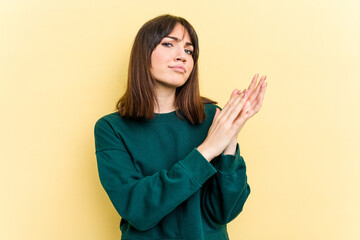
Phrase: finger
[257,90]
[228,105]
[253,83]
[217,112]
[234,93]
[261,97]
[237,109]
[249,110]
[259,94]
[242,118]
[214,125]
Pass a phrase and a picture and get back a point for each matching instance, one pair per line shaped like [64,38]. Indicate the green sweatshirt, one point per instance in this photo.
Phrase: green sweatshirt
[161,185]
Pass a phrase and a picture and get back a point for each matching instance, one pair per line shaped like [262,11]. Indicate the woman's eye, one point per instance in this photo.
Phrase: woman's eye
[188,51]
[166,44]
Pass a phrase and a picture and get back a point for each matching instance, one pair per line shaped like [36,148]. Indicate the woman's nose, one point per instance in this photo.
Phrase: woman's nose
[181,59]
[180,54]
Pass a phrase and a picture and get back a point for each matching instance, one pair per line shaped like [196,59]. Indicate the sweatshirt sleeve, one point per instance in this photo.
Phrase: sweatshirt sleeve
[225,193]
[145,200]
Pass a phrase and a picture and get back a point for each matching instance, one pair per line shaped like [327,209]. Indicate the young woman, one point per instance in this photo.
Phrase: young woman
[168,158]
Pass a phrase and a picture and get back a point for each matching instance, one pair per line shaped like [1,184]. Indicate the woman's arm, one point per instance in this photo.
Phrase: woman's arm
[224,195]
[145,200]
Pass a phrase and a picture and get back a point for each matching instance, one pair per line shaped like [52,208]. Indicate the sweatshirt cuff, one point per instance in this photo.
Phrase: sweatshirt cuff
[228,164]
[198,167]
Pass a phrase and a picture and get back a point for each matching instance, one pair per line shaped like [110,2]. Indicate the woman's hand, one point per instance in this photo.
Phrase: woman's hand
[224,126]
[255,99]
[252,106]
[228,122]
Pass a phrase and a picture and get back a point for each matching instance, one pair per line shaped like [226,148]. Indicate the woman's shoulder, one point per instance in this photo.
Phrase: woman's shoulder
[108,119]
[211,107]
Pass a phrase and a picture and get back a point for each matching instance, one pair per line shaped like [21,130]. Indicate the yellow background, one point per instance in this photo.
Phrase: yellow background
[64,65]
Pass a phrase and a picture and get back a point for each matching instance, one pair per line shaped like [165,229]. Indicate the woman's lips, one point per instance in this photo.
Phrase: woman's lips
[178,69]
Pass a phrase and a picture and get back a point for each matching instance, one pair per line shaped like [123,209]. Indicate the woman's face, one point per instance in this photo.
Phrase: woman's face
[171,60]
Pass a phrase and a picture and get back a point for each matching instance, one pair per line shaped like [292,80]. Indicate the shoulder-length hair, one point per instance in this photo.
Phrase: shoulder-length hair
[140,98]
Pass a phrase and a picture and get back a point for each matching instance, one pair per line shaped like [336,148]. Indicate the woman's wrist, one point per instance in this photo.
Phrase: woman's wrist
[205,152]
[231,148]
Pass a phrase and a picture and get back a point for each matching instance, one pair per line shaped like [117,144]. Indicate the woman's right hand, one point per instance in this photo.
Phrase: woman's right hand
[228,122]
[224,127]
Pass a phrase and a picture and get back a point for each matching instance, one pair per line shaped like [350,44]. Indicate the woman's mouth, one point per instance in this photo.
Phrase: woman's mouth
[178,69]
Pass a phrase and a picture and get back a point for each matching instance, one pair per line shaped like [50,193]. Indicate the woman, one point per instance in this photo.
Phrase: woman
[168,158]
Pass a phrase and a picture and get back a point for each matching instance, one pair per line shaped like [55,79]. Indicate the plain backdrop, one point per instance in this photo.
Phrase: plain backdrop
[63,65]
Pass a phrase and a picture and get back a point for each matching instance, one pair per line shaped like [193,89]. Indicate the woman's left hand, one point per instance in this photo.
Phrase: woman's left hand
[254,101]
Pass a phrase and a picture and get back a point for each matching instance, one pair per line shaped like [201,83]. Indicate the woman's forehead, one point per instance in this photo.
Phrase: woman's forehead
[180,32]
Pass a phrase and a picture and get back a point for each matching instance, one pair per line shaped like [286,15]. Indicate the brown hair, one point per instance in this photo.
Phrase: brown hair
[140,96]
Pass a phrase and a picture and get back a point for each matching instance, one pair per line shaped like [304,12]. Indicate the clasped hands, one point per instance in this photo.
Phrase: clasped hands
[229,121]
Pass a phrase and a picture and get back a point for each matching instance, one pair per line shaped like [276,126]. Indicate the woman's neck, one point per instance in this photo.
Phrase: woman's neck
[166,99]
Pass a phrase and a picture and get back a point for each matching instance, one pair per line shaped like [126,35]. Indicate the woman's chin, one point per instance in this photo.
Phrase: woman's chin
[171,84]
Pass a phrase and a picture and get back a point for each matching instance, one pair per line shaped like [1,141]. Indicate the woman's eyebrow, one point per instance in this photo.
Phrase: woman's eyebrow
[178,40]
